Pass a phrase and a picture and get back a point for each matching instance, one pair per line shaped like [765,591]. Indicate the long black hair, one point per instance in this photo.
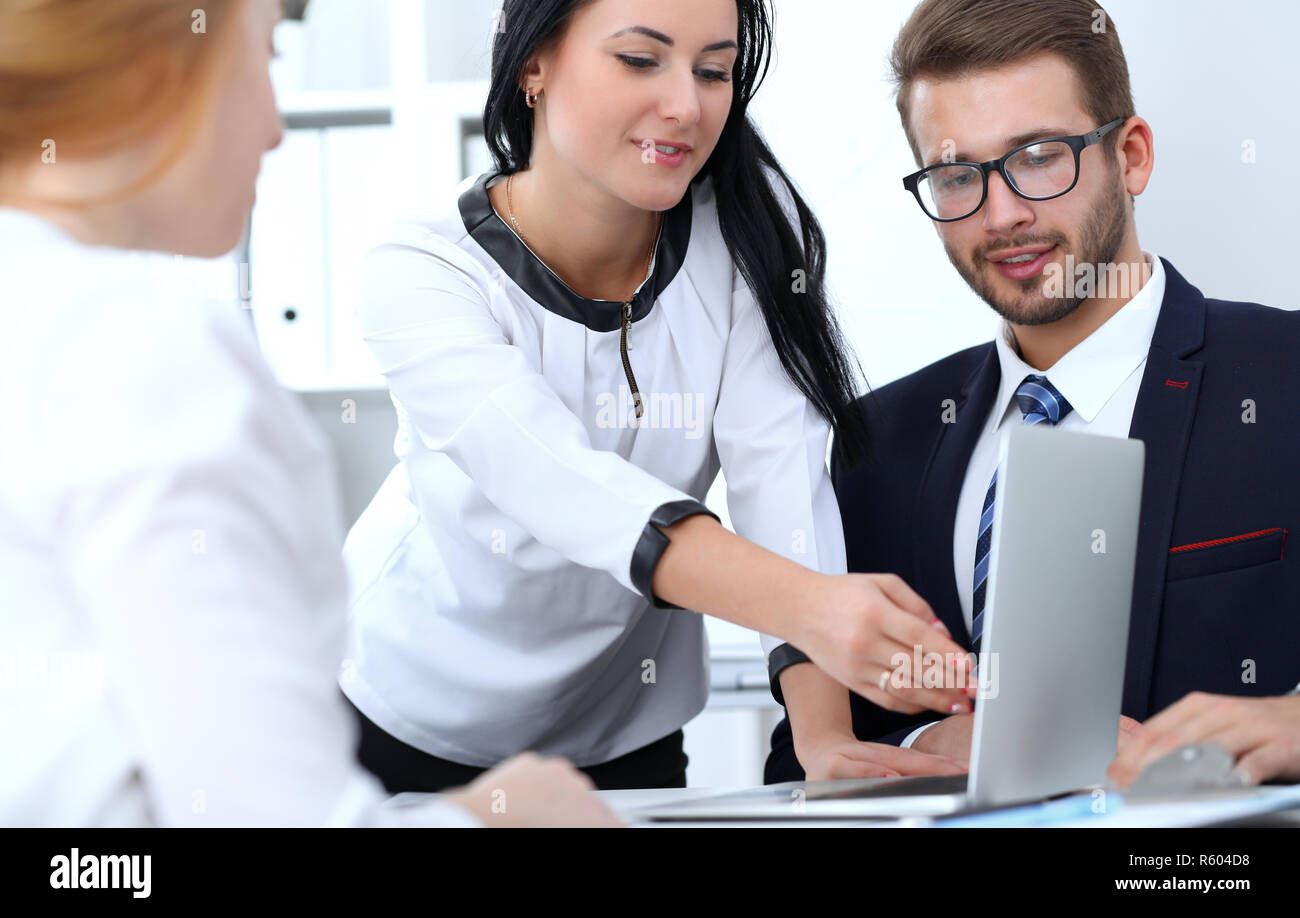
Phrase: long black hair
[763,244]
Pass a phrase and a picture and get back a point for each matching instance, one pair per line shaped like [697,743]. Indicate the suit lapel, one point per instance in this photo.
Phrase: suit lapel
[936,510]
[1162,419]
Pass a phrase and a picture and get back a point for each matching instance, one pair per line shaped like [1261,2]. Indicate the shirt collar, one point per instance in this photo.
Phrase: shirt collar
[532,275]
[1093,370]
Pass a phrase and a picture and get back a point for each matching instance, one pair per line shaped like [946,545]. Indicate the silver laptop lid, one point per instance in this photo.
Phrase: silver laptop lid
[1056,619]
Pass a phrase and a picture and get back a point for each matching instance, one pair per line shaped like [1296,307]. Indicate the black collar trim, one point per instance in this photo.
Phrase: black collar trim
[541,283]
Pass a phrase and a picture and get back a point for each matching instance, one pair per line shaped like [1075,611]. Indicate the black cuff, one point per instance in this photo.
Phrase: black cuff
[782,657]
[650,547]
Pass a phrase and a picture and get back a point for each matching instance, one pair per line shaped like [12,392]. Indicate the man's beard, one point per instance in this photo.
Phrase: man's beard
[1102,235]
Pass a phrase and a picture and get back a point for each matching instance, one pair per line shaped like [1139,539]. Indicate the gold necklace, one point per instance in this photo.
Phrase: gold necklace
[627,304]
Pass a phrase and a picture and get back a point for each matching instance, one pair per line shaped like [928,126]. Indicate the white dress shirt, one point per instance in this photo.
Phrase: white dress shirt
[1099,377]
[171,595]
[494,604]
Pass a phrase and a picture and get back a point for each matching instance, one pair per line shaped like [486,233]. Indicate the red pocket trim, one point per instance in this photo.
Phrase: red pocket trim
[1239,538]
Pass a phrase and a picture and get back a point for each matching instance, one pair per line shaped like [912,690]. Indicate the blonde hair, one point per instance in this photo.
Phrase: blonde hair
[95,76]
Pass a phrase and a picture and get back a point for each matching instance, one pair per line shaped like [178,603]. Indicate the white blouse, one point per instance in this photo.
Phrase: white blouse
[501,576]
[172,602]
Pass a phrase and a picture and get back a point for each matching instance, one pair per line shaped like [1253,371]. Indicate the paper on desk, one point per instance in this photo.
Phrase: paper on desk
[1076,812]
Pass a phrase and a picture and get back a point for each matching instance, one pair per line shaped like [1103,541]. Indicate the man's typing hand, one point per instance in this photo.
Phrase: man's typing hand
[1263,734]
[951,737]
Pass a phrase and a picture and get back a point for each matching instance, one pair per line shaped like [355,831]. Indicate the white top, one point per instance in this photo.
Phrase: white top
[502,573]
[1099,377]
[171,597]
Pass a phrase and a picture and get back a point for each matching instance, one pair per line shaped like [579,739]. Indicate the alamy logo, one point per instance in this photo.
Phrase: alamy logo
[102,871]
[687,411]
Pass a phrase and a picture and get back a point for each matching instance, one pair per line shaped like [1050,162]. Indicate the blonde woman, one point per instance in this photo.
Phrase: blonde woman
[173,598]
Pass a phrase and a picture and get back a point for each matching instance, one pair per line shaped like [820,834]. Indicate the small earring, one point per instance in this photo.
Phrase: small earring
[530,99]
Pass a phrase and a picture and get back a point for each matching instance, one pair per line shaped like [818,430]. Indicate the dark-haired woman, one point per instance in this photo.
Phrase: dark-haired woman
[575,344]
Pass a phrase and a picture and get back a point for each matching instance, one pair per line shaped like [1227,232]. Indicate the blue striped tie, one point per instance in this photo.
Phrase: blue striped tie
[1040,403]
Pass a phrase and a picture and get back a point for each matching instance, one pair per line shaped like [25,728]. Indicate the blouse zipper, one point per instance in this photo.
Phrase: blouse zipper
[627,364]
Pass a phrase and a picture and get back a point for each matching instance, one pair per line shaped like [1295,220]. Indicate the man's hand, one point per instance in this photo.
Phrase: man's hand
[951,737]
[1129,730]
[846,757]
[1262,734]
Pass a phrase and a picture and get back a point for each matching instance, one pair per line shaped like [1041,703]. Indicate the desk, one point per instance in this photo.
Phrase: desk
[625,803]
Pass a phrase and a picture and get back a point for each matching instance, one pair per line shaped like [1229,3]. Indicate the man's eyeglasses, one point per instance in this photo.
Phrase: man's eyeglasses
[1037,171]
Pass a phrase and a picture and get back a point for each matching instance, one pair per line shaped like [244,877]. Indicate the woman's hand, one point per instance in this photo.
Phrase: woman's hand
[846,757]
[863,630]
[532,791]
[868,630]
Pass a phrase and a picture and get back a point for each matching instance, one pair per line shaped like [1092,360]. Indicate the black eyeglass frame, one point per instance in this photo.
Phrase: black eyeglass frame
[1077,143]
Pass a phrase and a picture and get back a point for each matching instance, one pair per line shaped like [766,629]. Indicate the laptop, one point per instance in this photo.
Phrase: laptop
[1051,666]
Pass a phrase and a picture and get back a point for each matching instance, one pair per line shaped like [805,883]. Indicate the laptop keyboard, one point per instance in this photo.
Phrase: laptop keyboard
[915,786]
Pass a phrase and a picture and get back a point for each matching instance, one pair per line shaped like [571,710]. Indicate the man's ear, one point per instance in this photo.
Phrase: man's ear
[1135,148]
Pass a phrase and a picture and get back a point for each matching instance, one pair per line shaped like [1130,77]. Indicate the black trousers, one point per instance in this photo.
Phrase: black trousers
[401,767]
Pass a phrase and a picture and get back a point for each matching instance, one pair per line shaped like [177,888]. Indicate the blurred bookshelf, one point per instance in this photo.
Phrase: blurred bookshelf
[370,138]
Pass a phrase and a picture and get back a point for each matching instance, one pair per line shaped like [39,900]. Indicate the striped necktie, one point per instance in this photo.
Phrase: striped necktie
[1040,403]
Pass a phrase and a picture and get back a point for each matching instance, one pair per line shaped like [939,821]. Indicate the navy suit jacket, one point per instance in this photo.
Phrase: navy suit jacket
[1216,599]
